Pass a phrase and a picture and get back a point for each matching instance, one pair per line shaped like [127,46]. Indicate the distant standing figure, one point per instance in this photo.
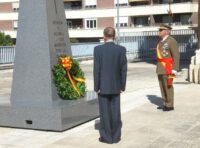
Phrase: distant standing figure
[110,70]
[167,66]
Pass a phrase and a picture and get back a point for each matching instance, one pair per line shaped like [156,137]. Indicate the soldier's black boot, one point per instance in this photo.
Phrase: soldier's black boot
[160,107]
[168,108]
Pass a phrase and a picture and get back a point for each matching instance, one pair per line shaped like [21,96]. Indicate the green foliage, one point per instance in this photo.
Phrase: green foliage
[5,40]
[76,70]
[64,87]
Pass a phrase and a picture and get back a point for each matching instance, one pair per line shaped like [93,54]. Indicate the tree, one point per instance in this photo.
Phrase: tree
[5,40]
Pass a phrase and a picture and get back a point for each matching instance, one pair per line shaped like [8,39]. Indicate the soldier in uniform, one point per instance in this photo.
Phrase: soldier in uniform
[167,66]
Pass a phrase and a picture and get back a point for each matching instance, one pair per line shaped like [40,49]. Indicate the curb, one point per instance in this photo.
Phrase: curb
[6,66]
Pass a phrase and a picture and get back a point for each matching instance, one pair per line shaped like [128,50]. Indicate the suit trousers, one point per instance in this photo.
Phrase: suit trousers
[110,117]
[166,91]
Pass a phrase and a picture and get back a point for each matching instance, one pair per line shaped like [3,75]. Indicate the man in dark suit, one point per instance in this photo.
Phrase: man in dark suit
[110,70]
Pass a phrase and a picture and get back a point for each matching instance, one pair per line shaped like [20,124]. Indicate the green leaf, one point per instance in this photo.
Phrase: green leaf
[64,87]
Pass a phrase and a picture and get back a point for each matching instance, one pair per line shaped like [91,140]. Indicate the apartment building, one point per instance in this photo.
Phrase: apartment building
[86,19]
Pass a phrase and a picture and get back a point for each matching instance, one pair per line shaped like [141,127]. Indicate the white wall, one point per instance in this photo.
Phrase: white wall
[9,16]
[83,33]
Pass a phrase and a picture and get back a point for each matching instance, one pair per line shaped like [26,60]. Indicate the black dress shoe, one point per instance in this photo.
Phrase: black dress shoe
[101,139]
[168,108]
[160,107]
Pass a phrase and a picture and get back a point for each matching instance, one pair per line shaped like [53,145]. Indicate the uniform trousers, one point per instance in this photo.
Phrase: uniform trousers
[167,92]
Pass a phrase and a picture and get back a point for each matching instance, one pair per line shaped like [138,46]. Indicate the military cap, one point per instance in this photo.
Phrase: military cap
[165,27]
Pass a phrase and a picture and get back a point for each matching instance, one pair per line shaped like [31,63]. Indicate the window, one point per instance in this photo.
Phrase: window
[165,1]
[185,19]
[141,21]
[15,24]
[15,6]
[73,5]
[90,6]
[167,19]
[90,23]
[75,23]
[69,24]
[123,21]
[90,3]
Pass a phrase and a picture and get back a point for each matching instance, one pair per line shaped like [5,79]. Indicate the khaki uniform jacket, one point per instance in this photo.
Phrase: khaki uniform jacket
[168,49]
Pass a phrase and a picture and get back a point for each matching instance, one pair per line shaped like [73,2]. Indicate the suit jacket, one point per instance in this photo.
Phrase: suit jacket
[168,49]
[110,68]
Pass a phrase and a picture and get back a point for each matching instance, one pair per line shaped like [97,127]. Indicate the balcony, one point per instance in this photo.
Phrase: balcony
[139,2]
[170,1]
[134,11]
[72,4]
[75,23]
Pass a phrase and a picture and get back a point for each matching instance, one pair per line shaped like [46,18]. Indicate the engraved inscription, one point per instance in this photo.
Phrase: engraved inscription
[57,22]
[59,38]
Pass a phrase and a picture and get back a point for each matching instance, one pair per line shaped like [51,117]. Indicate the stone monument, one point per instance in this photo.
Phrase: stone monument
[42,36]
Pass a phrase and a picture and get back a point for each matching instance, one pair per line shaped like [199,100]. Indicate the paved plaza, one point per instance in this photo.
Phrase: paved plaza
[143,125]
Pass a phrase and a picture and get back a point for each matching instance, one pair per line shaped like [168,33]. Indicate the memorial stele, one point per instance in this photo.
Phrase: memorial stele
[34,103]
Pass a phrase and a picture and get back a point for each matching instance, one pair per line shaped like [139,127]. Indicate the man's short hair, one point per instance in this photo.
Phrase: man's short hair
[109,32]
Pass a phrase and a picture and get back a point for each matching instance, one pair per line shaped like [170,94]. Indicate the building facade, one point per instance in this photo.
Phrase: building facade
[86,19]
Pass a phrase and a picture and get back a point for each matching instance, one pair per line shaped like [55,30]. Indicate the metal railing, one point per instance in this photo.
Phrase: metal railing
[7,54]
[79,51]
[83,49]
[142,45]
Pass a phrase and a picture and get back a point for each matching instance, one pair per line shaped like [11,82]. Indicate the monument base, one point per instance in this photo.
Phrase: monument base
[62,115]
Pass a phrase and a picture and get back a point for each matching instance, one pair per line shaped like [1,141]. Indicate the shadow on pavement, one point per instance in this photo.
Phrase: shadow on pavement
[155,100]
[97,124]
[183,82]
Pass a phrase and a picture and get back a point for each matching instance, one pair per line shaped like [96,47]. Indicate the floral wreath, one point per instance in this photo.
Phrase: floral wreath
[69,78]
